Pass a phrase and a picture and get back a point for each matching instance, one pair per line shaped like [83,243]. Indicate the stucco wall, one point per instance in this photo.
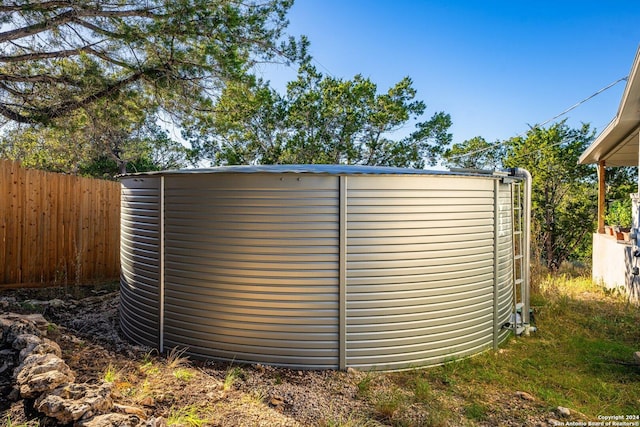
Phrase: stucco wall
[613,263]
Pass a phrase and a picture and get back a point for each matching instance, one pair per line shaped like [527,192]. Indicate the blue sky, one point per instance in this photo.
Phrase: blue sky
[494,66]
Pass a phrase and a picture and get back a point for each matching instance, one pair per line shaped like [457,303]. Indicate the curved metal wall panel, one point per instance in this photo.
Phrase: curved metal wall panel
[420,255]
[140,259]
[255,264]
[251,268]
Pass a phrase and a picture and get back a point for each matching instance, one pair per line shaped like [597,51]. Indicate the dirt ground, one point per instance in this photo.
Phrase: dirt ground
[197,393]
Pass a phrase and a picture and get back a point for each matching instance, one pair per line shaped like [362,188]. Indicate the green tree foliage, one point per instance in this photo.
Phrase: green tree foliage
[60,56]
[475,153]
[85,81]
[621,182]
[100,145]
[564,200]
[320,119]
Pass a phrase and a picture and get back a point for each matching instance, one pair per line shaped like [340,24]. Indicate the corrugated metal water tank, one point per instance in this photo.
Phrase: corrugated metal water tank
[319,267]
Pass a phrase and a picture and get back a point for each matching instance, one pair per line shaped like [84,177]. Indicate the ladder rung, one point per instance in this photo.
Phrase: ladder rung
[517,257]
[518,281]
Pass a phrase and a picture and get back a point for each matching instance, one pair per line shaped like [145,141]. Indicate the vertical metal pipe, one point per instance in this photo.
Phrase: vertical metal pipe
[527,246]
[496,224]
[342,279]
[161,255]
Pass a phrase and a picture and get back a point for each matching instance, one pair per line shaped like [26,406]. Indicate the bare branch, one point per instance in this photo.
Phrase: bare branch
[44,55]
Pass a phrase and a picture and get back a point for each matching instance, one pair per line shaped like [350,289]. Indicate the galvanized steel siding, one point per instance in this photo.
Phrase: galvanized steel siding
[253,273]
[252,267]
[420,254]
[140,259]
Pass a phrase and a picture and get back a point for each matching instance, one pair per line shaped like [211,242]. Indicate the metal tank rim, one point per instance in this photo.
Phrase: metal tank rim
[321,169]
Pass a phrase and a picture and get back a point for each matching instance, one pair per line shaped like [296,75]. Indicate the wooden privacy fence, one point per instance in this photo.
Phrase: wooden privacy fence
[56,228]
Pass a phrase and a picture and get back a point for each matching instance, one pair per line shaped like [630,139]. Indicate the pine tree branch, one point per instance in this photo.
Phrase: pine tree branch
[43,6]
[31,30]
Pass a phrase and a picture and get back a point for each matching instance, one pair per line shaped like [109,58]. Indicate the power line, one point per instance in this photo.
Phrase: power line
[574,106]
[577,104]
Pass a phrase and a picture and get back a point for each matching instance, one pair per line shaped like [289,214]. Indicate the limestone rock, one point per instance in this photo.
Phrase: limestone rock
[563,412]
[48,347]
[148,401]
[110,420]
[25,343]
[6,365]
[75,401]
[38,320]
[525,396]
[130,410]
[636,357]
[56,303]
[13,325]
[4,327]
[276,401]
[7,357]
[41,373]
[156,422]
[14,394]
[43,383]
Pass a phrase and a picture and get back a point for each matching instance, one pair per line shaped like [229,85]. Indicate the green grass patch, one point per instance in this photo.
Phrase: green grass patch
[581,358]
[183,374]
[189,416]
[476,411]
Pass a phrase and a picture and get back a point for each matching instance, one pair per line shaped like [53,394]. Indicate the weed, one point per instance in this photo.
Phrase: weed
[349,421]
[28,306]
[111,375]
[175,358]
[187,416]
[233,375]
[256,396]
[364,385]
[149,356]
[278,379]
[387,403]
[9,423]
[476,411]
[183,374]
[422,390]
[149,368]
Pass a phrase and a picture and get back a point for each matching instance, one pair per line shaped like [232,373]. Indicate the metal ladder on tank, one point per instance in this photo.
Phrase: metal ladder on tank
[517,241]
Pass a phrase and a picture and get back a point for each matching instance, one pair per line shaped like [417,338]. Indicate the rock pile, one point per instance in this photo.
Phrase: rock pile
[33,369]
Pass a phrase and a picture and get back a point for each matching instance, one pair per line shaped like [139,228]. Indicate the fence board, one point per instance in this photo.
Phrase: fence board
[56,228]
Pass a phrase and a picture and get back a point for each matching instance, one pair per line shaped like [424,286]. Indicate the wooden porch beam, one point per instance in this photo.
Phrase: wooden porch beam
[601,195]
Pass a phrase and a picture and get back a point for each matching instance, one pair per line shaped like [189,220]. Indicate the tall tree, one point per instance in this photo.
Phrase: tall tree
[322,119]
[102,140]
[475,153]
[564,192]
[60,56]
